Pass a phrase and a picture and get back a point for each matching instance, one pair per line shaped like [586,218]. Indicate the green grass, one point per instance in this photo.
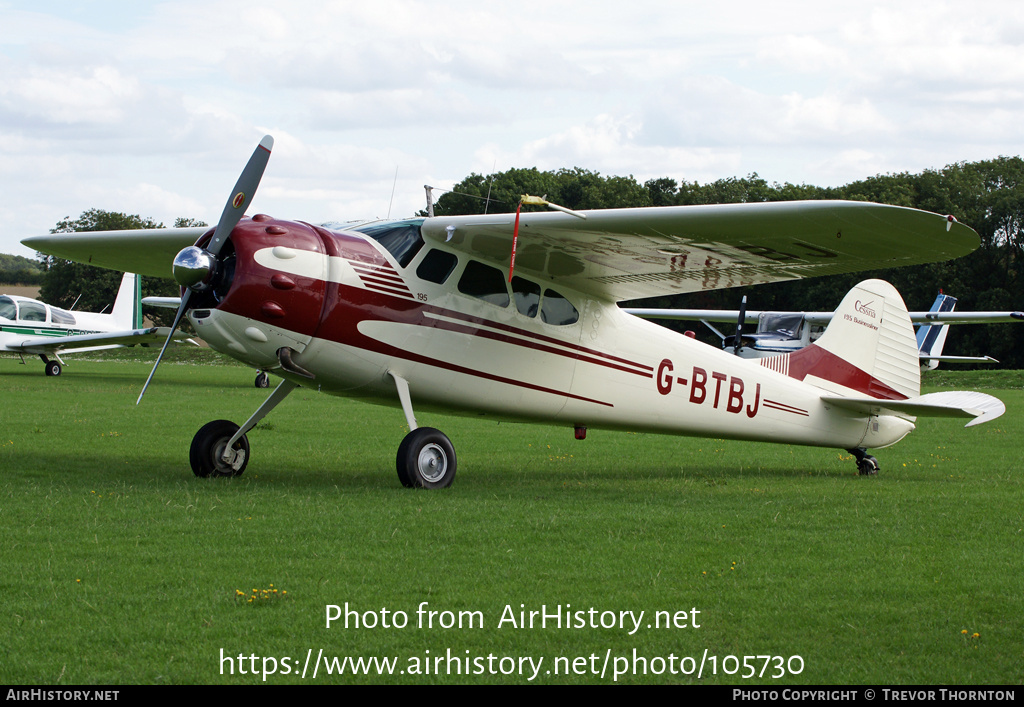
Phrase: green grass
[117,566]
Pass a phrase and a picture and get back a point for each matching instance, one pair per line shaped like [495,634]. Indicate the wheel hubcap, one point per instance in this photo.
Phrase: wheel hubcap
[432,463]
[234,461]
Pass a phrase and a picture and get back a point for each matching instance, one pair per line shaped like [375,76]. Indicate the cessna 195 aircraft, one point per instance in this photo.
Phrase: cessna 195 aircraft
[514,316]
[28,326]
[785,332]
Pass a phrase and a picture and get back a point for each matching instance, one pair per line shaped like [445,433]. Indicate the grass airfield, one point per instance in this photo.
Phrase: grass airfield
[117,566]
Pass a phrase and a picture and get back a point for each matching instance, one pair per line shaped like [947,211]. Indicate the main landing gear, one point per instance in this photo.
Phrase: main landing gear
[53,368]
[867,465]
[426,457]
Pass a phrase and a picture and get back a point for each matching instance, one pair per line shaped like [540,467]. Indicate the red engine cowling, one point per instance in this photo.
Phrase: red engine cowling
[268,274]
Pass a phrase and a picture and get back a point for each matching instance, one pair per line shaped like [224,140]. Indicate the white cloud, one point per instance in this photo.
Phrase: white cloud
[152,105]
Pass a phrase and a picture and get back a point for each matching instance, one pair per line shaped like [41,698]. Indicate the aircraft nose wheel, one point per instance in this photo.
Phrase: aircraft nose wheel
[426,459]
[207,452]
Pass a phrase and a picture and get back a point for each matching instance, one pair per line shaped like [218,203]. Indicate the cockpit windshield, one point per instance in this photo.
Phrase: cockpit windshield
[8,310]
[400,238]
[788,325]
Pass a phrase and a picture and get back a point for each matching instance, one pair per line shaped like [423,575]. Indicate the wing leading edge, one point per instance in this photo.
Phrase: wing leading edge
[620,254]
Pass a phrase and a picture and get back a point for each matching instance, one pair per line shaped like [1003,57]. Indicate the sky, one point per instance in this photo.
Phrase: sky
[153,108]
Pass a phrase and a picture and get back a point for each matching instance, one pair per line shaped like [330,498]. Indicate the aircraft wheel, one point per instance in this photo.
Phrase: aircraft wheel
[207,449]
[53,368]
[868,466]
[426,459]
[262,380]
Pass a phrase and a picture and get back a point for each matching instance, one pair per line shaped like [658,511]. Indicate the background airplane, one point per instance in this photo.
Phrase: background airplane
[28,326]
[514,316]
[785,332]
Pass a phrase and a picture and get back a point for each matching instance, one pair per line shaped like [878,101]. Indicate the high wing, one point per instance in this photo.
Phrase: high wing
[620,254]
[91,342]
[752,316]
[149,251]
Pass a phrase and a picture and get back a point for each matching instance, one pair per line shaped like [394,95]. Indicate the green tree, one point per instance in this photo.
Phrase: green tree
[18,270]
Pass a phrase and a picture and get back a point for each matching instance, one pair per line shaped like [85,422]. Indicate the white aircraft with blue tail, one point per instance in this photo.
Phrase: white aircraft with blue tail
[785,332]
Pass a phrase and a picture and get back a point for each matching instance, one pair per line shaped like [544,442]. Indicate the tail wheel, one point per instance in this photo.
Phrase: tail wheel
[207,452]
[868,466]
[426,459]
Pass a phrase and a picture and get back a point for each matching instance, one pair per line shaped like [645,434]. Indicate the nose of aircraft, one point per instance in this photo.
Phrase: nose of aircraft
[278,273]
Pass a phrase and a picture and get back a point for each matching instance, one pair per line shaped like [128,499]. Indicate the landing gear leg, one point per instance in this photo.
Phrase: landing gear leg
[220,448]
[426,457]
[867,465]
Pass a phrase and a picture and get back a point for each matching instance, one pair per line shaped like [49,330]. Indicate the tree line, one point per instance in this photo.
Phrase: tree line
[988,196]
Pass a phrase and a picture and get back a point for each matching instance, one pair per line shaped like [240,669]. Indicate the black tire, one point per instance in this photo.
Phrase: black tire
[426,459]
[207,446]
[262,380]
[868,466]
[53,368]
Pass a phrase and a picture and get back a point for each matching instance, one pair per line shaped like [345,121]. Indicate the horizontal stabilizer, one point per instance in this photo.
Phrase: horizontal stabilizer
[957,403]
[960,359]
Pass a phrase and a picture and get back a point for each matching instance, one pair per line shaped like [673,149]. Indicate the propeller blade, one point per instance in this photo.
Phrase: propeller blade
[234,209]
[174,328]
[739,326]
[242,194]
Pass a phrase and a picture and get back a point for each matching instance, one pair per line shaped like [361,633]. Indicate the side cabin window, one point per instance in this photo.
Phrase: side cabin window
[59,316]
[484,282]
[557,310]
[8,310]
[32,312]
[527,296]
[400,238]
[436,266]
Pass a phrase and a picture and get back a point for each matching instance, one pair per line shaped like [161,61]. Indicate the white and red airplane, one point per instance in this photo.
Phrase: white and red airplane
[28,326]
[514,316]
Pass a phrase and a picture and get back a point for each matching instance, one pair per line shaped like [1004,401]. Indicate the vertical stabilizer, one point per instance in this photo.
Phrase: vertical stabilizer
[869,347]
[932,337]
[127,312]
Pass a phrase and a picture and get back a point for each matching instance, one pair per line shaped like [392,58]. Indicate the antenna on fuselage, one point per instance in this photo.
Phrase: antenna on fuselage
[395,184]
[490,184]
[430,200]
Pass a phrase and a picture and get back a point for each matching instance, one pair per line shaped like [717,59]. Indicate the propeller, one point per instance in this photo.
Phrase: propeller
[739,326]
[194,268]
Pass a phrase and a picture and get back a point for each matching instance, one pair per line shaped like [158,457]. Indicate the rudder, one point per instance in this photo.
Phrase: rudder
[869,347]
